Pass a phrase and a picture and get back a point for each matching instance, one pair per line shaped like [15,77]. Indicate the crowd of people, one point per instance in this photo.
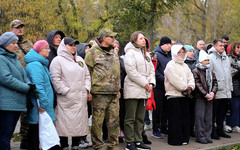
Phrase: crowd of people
[190,92]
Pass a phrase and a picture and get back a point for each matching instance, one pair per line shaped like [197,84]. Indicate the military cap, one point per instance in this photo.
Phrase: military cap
[106,32]
[16,23]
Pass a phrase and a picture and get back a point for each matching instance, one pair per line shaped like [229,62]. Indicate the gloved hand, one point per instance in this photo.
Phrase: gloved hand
[32,87]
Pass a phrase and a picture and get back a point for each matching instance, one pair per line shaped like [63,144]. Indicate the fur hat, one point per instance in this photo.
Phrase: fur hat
[203,56]
[39,45]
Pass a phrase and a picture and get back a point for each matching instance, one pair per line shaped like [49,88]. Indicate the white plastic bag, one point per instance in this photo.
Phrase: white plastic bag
[48,135]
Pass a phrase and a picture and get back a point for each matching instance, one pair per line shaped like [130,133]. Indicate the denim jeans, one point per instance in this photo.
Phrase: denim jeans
[8,123]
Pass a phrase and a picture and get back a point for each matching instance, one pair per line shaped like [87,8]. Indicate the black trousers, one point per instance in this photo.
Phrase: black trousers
[178,121]
[192,102]
[64,141]
[33,137]
[219,112]
[160,115]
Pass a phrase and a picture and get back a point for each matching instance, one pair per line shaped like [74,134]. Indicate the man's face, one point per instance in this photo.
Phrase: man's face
[166,47]
[109,40]
[219,47]
[18,30]
[200,45]
[225,42]
[57,39]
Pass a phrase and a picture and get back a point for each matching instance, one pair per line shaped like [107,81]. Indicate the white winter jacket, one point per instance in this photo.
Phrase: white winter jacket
[71,80]
[177,74]
[140,72]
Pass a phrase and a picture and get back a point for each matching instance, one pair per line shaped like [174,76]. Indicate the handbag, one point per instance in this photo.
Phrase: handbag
[48,135]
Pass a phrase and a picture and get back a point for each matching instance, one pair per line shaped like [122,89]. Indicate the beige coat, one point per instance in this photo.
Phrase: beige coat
[140,72]
[71,81]
[177,74]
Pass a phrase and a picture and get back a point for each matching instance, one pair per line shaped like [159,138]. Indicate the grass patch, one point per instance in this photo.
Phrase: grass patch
[236,147]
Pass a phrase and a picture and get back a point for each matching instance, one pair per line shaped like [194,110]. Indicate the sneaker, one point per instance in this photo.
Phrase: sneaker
[74,148]
[131,146]
[147,127]
[184,143]
[223,134]
[83,144]
[145,139]
[141,146]
[227,129]
[236,129]
[89,143]
[157,134]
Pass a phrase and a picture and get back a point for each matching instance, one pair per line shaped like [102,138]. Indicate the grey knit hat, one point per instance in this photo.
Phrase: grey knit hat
[7,38]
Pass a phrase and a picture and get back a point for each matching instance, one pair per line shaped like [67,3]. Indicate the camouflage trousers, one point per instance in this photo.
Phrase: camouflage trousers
[105,106]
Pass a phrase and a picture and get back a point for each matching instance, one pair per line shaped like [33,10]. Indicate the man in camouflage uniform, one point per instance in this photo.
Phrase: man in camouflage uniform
[103,63]
[24,46]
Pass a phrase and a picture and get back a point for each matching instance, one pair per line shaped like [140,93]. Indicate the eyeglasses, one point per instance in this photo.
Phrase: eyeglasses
[47,48]
[110,37]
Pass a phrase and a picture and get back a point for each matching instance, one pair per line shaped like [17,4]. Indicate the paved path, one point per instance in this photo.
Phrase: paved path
[161,144]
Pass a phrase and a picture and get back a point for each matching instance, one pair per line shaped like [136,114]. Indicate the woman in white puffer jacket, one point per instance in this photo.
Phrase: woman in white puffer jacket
[179,83]
[138,84]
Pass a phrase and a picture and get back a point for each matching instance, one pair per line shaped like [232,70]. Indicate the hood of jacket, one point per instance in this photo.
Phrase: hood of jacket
[33,56]
[129,47]
[174,51]
[160,50]
[64,52]
[51,35]
[215,52]
[81,49]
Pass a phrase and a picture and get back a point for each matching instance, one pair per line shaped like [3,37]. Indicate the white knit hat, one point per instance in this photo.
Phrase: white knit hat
[203,56]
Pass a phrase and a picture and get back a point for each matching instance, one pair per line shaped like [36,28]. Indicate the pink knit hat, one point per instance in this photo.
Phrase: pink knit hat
[39,45]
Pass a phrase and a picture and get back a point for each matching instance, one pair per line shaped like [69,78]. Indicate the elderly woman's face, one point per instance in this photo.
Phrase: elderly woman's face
[141,42]
[12,47]
[71,48]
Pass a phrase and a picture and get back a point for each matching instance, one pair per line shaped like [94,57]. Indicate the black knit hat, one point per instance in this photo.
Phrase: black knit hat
[165,40]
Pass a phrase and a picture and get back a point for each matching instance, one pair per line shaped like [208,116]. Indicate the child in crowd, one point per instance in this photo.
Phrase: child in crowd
[206,88]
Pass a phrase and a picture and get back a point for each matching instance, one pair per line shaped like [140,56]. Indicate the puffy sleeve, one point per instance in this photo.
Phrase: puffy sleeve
[36,75]
[131,70]
[190,78]
[11,82]
[174,78]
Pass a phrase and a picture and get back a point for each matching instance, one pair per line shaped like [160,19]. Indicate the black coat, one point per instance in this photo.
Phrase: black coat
[162,60]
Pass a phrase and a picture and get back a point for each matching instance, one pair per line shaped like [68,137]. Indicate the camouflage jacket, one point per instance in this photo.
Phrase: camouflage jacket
[104,68]
[26,44]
